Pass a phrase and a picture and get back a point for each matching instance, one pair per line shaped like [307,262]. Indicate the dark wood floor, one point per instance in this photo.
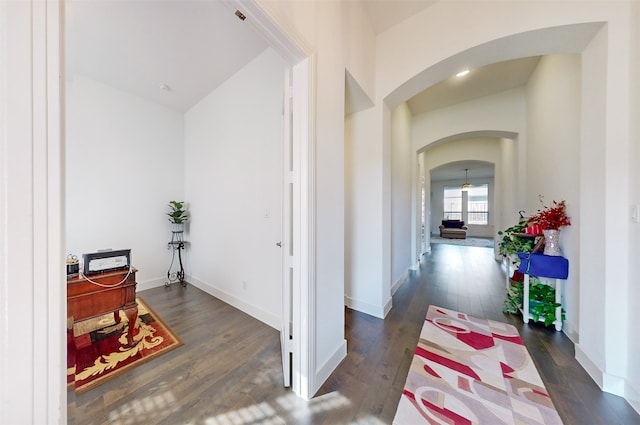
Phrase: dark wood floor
[229,371]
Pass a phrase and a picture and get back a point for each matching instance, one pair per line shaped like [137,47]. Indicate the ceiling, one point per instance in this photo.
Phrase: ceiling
[384,14]
[139,46]
[175,52]
[456,171]
[480,82]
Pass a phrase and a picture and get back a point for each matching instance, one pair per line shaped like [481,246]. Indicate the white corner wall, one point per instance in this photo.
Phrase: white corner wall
[124,163]
[553,122]
[234,183]
[403,168]
[334,31]
[633,388]
[363,248]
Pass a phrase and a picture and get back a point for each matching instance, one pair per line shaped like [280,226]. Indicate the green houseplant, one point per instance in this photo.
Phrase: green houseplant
[177,216]
[513,242]
[542,301]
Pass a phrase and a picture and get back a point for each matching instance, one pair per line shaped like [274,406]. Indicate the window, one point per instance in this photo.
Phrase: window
[478,204]
[452,203]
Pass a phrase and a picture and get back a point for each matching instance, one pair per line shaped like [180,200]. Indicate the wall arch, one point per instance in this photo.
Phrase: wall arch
[600,34]
[498,134]
[571,38]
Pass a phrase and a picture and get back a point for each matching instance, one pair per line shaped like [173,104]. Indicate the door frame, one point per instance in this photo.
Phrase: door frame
[290,45]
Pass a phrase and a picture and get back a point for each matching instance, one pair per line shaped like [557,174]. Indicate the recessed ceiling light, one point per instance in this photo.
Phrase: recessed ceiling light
[165,87]
[462,73]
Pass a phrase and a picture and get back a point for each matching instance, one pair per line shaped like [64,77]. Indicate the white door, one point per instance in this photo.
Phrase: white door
[287,231]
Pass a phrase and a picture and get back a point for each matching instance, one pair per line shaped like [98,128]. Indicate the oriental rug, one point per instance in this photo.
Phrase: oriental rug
[97,349]
[467,370]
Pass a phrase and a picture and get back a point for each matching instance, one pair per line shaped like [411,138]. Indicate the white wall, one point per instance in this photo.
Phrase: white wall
[402,176]
[602,348]
[329,188]
[334,30]
[363,215]
[124,163]
[360,53]
[233,178]
[503,111]
[553,122]
[634,290]
[507,178]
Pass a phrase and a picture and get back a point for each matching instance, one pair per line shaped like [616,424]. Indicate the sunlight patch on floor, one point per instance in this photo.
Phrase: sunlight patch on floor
[289,405]
[137,411]
[275,412]
[261,413]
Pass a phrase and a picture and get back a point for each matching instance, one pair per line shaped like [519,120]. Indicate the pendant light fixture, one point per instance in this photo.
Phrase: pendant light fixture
[466,186]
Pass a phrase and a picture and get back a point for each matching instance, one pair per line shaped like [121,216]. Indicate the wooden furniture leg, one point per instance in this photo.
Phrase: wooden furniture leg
[132,316]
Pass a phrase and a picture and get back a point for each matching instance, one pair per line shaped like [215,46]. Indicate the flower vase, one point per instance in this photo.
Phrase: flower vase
[551,242]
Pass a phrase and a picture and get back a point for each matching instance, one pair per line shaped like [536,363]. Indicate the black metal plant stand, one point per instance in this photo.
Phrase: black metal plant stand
[177,245]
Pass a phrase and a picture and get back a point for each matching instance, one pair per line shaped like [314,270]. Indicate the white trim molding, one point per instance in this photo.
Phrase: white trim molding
[32,270]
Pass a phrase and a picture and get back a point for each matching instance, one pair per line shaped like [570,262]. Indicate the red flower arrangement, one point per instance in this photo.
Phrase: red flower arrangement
[551,217]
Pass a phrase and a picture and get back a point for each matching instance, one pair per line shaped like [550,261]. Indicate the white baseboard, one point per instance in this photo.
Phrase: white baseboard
[571,332]
[635,403]
[387,306]
[378,311]
[398,283]
[613,384]
[589,366]
[609,383]
[149,284]
[250,309]
[323,373]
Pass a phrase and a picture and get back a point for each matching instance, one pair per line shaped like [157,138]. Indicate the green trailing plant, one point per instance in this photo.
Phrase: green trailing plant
[542,301]
[512,242]
[513,302]
[177,214]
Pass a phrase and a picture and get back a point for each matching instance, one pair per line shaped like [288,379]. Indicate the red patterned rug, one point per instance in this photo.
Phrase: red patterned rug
[467,370]
[97,349]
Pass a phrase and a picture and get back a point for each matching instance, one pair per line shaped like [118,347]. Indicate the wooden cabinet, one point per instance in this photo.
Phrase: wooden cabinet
[95,295]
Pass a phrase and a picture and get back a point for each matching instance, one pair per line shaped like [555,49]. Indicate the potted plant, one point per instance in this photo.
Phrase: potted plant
[542,301]
[513,241]
[177,216]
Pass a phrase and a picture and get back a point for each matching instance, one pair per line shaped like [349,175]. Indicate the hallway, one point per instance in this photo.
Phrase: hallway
[229,370]
[469,280]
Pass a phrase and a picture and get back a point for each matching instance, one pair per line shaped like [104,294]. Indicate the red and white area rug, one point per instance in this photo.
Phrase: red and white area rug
[97,349]
[467,370]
